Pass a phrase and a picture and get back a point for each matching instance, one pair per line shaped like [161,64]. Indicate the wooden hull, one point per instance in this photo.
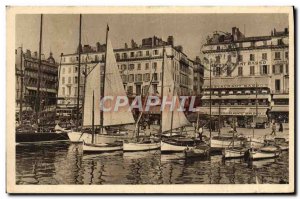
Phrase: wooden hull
[233,153]
[259,155]
[222,144]
[171,148]
[101,148]
[78,137]
[135,146]
[40,137]
[255,143]
[193,152]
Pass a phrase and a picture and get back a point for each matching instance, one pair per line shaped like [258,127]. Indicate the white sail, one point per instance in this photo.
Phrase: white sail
[92,84]
[114,87]
[179,119]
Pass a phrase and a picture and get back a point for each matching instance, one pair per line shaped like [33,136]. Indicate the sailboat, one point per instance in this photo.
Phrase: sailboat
[172,119]
[233,151]
[110,85]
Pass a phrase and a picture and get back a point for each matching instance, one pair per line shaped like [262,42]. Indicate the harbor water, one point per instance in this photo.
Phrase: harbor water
[65,163]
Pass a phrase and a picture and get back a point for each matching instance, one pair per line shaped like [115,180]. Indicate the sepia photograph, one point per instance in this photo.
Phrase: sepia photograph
[150,100]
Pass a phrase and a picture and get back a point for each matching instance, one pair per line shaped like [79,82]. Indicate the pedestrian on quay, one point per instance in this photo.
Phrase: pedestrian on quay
[200,132]
[280,127]
[273,129]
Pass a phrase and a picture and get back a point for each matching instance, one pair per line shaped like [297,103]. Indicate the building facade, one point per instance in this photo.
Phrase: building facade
[138,65]
[249,75]
[26,64]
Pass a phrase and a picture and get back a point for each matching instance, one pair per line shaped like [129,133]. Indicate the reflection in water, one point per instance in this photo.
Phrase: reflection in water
[65,163]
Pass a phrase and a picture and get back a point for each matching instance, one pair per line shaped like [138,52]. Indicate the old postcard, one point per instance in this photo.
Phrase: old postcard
[150,100]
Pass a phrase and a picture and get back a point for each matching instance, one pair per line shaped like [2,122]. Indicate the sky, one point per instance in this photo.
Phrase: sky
[61,32]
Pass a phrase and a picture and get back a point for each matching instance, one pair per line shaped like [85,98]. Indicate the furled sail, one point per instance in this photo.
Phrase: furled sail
[92,84]
[179,119]
[113,88]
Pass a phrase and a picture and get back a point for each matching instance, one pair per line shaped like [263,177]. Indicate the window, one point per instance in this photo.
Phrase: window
[218,71]
[123,67]
[139,67]
[140,53]
[218,59]
[96,58]
[76,69]
[218,48]
[154,65]
[129,89]
[69,80]
[76,58]
[277,85]
[253,44]
[277,55]
[286,55]
[277,69]
[75,91]
[154,88]
[229,58]
[240,71]
[63,91]
[286,68]
[131,67]
[147,53]
[264,56]
[63,80]
[138,89]
[147,66]
[155,76]
[146,77]
[124,78]
[138,78]
[131,54]
[145,89]
[240,45]
[252,70]
[264,69]
[124,55]
[265,43]
[70,69]
[130,78]
[280,42]
[75,80]
[252,57]
[155,52]
[69,90]
[117,56]
[228,71]
[240,58]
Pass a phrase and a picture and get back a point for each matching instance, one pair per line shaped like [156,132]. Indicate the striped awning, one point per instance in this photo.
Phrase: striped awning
[49,90]
[260,96]
[232,111]
[280,108]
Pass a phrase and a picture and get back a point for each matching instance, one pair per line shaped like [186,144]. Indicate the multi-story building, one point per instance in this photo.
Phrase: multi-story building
[249,74]
[27,71]
[198,80]
[137,66]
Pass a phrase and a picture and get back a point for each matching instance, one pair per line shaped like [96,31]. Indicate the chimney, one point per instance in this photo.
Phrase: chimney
[272,33]
[28,53]
[126,45]
[286,30]
[171,40]
[35,55]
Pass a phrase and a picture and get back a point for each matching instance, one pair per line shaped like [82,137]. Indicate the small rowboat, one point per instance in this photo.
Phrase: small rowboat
[198,151]
[263,153]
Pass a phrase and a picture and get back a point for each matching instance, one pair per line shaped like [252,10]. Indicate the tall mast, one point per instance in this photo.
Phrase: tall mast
[93,119]
[21,92]
[210,102]
[37,99]
[162,88]
[172,113]
[78,75]
[58,79]
[103,80]
[84,86]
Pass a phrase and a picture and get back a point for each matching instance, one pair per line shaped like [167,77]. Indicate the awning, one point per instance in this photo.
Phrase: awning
[261,96]
[232,111]
[281,96]
[49,90]
[280,109]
